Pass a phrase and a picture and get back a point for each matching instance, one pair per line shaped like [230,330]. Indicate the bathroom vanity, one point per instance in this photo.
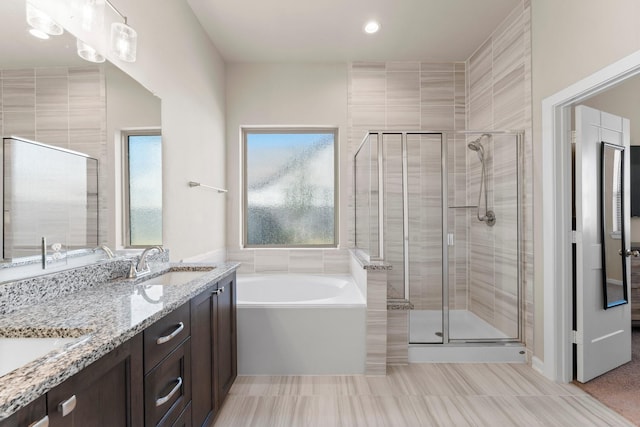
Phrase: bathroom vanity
[151,351]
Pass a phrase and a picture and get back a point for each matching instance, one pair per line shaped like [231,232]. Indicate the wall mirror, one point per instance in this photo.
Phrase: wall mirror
[614,251]
[50,200]
[52,96]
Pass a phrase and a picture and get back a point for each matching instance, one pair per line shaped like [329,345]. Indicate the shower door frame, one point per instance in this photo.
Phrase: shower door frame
[520,304]
[444,172]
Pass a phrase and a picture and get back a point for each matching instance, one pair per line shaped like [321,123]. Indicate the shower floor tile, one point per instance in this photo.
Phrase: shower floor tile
[425,326]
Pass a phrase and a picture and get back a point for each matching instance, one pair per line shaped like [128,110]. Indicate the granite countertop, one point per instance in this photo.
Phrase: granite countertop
[101,317]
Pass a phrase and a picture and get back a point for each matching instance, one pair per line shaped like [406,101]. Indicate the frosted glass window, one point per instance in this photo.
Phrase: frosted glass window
[290,187]
[144,169]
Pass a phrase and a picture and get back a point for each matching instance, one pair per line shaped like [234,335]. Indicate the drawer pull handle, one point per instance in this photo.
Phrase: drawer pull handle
[172,335]
[161,401]
[67,407]
[218,291]
[43,422]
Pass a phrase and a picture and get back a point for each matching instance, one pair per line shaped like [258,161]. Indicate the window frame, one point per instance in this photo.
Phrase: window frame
[247,130]
[126,212]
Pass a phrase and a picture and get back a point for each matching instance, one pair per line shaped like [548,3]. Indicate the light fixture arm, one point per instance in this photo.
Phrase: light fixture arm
[116,10]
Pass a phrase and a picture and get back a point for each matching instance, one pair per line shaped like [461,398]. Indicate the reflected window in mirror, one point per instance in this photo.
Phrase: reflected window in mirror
[143,187]
[616,194]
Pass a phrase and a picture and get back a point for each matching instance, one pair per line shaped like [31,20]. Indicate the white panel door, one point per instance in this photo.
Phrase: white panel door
[603,336]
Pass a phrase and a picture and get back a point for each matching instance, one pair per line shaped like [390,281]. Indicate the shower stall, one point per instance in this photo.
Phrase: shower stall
[444,209]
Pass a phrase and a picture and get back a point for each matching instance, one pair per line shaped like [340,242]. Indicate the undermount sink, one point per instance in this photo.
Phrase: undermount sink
[19,351]
[176,277]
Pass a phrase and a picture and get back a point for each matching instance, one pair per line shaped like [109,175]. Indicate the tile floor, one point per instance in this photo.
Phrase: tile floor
[415,395]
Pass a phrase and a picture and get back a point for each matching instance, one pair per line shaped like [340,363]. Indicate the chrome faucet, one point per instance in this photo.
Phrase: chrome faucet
[142,268]
[106,250]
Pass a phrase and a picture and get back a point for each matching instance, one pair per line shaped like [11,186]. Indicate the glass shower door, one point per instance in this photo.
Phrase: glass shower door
[424,240]
[483,254]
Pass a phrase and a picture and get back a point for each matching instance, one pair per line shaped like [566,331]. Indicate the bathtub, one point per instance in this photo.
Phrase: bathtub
[296,324]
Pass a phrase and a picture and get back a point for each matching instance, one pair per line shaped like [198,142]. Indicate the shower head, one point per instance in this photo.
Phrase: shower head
[476,146]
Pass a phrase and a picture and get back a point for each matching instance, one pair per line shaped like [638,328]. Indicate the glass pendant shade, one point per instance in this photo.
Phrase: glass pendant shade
[124,41]
[41,21]
[93,15]
[88,53]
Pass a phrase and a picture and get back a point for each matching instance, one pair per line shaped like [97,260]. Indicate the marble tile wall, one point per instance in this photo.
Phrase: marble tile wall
[410,96]
[499,97]
[60,106]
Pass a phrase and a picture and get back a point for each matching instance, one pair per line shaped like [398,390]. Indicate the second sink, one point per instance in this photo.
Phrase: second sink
[175,277]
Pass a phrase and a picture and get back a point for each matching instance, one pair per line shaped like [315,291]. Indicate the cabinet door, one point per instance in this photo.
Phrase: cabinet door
[30,415]
[202,397]
[225,338]
[106,393]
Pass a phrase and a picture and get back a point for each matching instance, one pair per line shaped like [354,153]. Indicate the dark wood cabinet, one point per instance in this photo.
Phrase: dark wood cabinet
[108,392]
[203,408]
[177,373]
[213,331]
[34,414]
[225,345]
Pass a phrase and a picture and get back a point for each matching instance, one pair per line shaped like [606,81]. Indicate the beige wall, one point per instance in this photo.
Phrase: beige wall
[177,62]
[623,100]
[129,106]
[571,39]
[293,95]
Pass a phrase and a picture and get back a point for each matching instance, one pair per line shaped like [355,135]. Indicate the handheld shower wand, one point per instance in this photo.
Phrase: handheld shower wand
[489,216]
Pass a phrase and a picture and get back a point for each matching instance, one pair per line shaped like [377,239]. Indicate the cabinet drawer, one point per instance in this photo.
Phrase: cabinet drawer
[184,420]
[165,335]
[168,387]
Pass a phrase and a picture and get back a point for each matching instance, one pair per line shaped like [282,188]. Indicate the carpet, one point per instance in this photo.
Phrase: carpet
[619,389]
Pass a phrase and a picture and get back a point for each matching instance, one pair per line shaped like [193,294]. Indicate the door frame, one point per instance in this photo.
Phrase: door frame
[555,223]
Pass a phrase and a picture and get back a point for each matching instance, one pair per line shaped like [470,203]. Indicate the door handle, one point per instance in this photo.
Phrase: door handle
[43,422]
[629,253]
[172,335]
[67,407]
[162,400]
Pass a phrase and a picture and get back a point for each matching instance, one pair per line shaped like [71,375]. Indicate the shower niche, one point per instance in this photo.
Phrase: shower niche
[444,209]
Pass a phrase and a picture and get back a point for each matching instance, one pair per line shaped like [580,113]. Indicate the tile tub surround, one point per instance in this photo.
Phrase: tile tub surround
[371,277]
[315,261]
[113,311]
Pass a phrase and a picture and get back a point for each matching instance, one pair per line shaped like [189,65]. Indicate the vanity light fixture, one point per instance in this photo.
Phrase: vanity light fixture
[124,39]
[88,53]
[93,15]
[38,20]
[38,34]
[371,27]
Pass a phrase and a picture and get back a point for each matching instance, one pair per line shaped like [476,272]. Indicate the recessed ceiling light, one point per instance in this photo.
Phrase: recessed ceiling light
[371,27]
[38,33]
